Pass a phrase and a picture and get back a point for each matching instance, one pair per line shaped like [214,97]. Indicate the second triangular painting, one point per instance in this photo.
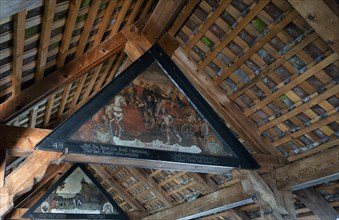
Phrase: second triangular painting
[152,113]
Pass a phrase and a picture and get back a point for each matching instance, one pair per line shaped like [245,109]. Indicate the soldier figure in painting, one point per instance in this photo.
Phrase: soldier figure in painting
[114,114]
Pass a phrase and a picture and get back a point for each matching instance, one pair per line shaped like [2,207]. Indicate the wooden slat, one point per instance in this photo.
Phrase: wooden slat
[314,70]
[48,110]
[122,13]
[161,18]
[67,35]
[206,25]
[92,13]
[18,50]
[301,108]
[233,194]
[33,116]
[313,200]
[319,148]
[61,77]
[45,34]
[309,169]
[232,34]
[103,25]
[182,17]
[91,83]
[321,18]
[22,179]
[104,74]
[134,13]
[294,50]
[63,100]
[314,126]
[259,44]
[143,177]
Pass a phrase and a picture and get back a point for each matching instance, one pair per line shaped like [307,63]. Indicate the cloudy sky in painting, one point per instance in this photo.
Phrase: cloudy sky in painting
[73,182]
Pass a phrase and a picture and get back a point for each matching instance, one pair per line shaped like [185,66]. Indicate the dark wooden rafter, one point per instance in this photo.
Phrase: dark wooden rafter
[316,203]
[67,35]
[18,50]
[321,18]
[105,20]
[92,13]
[61,77]
[46,29]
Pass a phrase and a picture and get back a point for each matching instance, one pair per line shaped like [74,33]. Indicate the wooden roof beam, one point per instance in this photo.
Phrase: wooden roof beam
[209,204]
[18,50]
[61,77]
[321,18]
[22,179]
[313,200]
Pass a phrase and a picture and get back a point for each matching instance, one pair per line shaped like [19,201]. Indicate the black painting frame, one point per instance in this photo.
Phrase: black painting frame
[57,140]
[30,213]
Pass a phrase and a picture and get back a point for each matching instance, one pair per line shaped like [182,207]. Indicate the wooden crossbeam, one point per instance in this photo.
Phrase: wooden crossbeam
[293,175]
[23,178]
[313,200]
[18,50]
[321,18]
[228,196]
[45,35]
[61,77]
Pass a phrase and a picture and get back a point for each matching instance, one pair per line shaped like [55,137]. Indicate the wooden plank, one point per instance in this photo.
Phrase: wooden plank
[206,25]
[294,50]
[301,108]
[63,100]
[308,169]
[223,106]
[48,111]
[91,84]
[92,13]
[19,141]
[22,178]
[142,176]
[310,72]
[18,50]
[9,7]
[122,13]
[234,32]
[217,199]
[258,44]
[45,35]
[67,35]
[72,71]
[313,200]
[2,166]
[182,17]
[135,11]
[321,18]
[103,25]
[107,177]
[161,18]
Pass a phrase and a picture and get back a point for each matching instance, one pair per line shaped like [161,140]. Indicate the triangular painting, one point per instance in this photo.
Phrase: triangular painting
[151,112]
[76,195]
